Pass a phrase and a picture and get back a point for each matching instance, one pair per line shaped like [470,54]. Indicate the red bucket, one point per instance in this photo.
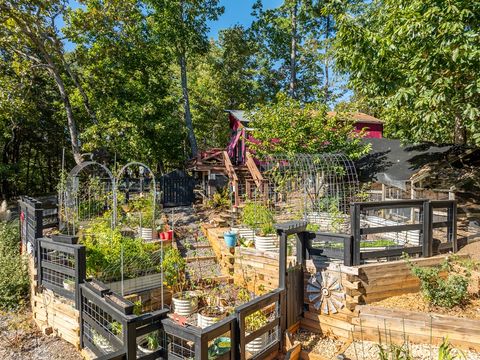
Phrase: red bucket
[166,235]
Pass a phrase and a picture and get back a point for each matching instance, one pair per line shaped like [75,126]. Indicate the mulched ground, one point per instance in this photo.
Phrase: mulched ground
[416,302]
[20,339]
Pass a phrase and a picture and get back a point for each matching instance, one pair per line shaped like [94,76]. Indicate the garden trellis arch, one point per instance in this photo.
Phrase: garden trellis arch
[154,182]
[71,207]
[315,185]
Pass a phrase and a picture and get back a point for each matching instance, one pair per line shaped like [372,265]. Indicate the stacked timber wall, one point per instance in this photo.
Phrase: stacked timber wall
[362,285]
[391,325]
[54,314]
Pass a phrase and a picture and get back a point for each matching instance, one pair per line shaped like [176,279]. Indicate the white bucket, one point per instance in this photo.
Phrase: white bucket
[185,307]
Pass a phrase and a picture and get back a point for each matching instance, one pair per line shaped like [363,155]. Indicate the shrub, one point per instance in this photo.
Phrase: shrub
[174,269]
[104,248]
[14,280]
[442,292]
[220,199]
[257,216]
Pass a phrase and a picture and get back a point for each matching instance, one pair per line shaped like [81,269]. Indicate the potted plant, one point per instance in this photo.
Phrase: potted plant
[184,302]
[166,234]
[101,342]
[69,284]
[210,315]
[260,218]
[254,322]
[150,343]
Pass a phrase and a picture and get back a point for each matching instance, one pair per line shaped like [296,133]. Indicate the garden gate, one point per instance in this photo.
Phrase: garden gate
[177,189]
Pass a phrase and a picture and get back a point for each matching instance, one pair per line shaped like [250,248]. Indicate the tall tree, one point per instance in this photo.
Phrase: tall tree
[127,70]
[417,61]
[29,30]
[183,23]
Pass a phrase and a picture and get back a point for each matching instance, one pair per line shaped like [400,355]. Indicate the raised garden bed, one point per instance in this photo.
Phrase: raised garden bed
[120,303]
[416,302]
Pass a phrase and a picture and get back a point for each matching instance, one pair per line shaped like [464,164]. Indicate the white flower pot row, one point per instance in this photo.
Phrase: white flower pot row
[263,243]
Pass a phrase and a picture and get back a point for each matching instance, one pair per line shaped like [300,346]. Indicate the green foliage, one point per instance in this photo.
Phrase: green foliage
[220,200]
[104,251]
[255,321]
[116,328]
[394,352]
[416,63]
[447,352]
[290,127]
[438,291]
[174,270]
[258,216]
[153,340]
[14,280]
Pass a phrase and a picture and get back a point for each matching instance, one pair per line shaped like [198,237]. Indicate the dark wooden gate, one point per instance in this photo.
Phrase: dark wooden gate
[177,189]
[295,285]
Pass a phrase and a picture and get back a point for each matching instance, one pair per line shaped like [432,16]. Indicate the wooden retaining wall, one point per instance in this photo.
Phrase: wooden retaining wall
[391,325]
[53,313]
[362,285]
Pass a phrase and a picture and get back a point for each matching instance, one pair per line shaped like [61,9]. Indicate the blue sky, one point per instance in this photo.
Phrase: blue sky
[238,12]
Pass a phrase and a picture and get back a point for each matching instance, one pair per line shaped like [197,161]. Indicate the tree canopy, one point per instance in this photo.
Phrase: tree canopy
[416,61]
[141,80]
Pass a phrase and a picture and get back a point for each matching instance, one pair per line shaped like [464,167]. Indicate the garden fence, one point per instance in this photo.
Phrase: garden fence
[61,267]
[418,237]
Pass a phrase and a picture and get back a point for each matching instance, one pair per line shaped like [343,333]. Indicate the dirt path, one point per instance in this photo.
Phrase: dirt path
[20,339]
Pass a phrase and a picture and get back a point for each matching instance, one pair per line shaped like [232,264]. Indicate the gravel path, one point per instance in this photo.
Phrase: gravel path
[20,339]
[369,351]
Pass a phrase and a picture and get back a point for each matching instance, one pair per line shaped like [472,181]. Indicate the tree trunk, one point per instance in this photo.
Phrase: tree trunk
[72,127]
[460,132]
[186,106]
[293,53]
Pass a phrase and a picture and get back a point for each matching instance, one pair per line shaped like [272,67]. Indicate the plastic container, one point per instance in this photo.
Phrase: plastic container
[230,238]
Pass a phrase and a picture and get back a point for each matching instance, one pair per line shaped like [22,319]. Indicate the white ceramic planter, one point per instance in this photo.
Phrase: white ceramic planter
[245,233]
[267,243]
[257,344]
[145,233]
[205,321]
[185,307]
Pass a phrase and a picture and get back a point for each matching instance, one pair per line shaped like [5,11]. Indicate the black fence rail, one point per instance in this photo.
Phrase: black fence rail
[31,222]
[350,248]
[111,334]
[61,266]
[191,342]
[261,342]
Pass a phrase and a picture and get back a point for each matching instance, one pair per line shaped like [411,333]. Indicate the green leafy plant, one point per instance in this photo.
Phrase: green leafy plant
[137,307]
[153,341]
[445,292]
[258,216]
[116,328]
[104,248]
[447,352]
[255,321]
[14,279]
[394,352]
[174,270]
[220,199]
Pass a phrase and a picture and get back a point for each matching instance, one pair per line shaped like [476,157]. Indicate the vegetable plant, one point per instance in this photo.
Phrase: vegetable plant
[258,216]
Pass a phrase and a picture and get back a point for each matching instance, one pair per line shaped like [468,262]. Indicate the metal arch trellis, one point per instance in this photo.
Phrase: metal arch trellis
[70,209]
[127,166]
[319,186]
